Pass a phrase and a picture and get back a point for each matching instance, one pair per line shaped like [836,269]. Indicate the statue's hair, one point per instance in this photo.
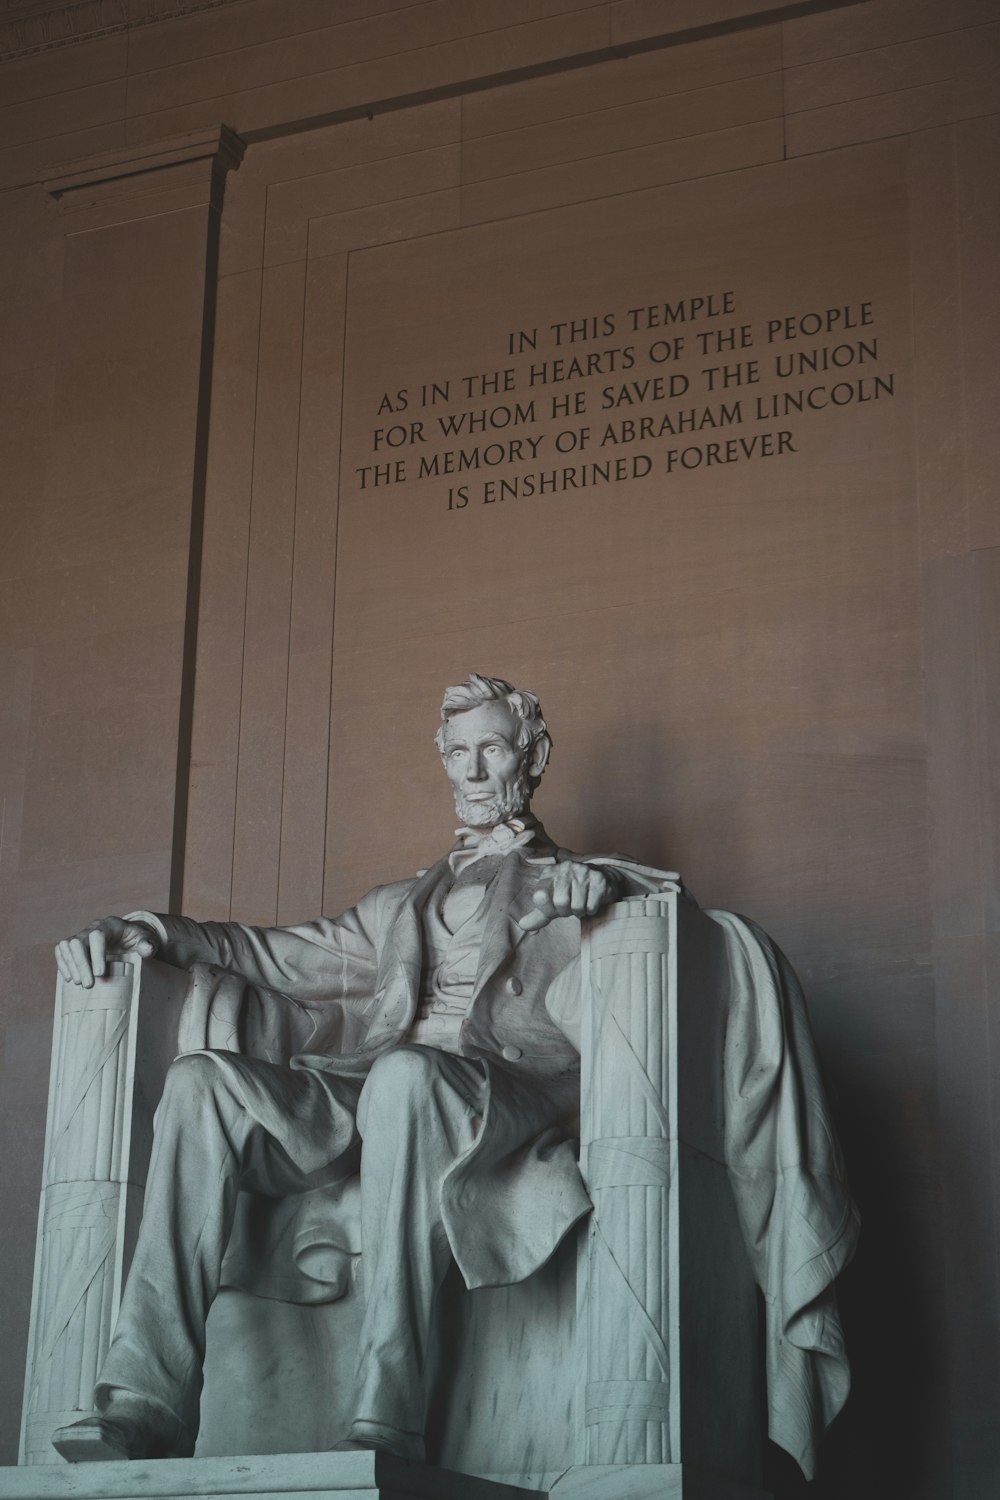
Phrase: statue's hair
[530,726]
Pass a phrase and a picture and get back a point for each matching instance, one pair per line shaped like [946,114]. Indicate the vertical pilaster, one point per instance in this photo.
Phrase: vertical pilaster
[128,441]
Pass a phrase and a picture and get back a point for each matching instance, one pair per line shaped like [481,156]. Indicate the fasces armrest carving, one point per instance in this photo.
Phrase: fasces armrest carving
[628,1158]
[111,1048]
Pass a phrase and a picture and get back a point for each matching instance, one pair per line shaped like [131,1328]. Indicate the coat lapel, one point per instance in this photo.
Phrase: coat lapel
[401,958]
[510,899]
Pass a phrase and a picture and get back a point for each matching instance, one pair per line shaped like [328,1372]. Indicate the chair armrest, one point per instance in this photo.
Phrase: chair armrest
[628,1159]
[112,1045]
[667,1319]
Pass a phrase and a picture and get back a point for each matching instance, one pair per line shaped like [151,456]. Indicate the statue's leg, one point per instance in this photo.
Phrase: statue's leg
[419,1112]
[224,1121]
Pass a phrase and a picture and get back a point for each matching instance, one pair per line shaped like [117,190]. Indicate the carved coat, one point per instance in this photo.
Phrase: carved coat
[335,993]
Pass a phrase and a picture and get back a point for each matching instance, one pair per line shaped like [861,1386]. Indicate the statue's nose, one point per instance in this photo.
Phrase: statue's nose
[476,770]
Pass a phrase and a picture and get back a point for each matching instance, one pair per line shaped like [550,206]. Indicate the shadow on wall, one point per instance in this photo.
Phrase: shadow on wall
[890,1438]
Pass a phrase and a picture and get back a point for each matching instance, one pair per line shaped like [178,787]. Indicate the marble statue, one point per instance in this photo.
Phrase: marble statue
[426,1044]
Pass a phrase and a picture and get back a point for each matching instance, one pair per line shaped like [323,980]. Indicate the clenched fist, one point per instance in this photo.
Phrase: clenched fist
[575,890]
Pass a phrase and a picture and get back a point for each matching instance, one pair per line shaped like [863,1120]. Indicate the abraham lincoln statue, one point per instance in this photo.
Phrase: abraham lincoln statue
[422,1042]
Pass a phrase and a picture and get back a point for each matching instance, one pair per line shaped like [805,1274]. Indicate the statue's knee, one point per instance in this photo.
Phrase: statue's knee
[191,1078]
[404,1068]
[399,1075]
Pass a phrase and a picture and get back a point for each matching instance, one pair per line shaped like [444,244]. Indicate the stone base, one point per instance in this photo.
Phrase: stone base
[650,1482]
[290,1476]
[350,1476]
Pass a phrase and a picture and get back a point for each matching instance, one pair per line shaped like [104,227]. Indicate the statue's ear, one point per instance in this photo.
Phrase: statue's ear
[539,757]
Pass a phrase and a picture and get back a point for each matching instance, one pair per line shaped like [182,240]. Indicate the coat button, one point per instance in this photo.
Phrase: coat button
[511,1054]
[514,987]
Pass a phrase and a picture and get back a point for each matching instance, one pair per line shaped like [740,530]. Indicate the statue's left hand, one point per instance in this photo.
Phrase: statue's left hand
[574,890]
[83,958]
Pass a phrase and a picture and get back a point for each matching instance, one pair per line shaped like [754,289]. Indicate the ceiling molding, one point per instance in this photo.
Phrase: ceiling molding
[30,26]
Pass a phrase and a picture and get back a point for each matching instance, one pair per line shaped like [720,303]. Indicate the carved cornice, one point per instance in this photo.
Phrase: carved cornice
[28,26]
[123,169]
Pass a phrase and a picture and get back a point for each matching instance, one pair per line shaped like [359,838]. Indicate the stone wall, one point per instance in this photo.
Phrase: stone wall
[228,615]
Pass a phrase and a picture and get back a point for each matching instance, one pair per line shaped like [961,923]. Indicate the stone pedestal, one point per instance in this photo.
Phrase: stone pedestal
[350,1476]
[650,1482]
[296,1476]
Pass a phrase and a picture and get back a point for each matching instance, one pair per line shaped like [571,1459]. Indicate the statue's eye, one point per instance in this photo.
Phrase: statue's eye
[492,749]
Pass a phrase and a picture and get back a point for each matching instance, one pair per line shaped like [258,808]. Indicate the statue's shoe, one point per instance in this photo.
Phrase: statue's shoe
[366,1435]
[100,1439]
[129,1426]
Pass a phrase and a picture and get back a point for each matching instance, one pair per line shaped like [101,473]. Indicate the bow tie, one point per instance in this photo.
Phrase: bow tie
[489,843]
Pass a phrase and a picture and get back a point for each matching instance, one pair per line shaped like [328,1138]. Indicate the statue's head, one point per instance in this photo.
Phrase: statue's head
[494,745]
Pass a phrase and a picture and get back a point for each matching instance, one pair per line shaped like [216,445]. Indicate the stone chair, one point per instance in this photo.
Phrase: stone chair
[630,1366]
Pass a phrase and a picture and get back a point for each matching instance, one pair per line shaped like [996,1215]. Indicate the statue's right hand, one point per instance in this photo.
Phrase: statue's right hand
[83,958]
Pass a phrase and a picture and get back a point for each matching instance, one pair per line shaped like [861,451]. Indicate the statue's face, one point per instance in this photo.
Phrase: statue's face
[487,771]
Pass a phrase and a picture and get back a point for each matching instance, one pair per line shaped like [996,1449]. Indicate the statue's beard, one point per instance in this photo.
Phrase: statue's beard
[514,799]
